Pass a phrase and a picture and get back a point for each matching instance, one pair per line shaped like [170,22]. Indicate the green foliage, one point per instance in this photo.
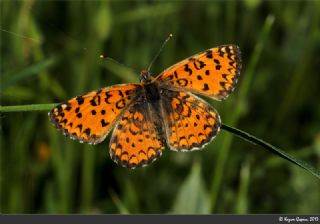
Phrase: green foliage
[50,52]
[192,197]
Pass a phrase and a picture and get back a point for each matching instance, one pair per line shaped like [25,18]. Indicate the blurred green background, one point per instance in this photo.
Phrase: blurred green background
[50,53]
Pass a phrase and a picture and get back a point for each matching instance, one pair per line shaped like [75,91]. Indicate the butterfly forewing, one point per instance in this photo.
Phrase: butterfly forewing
[90,117]
[212,73]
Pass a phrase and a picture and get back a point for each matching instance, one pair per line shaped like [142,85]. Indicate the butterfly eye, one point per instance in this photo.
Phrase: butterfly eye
[145,76]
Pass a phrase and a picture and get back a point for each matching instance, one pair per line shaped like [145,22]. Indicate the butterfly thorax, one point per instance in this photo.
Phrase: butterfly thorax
[151,89]
[152,92]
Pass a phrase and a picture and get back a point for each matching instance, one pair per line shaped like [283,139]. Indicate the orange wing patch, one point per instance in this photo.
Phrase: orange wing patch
[137,139]
[90,117]
[212,73]
[191,123]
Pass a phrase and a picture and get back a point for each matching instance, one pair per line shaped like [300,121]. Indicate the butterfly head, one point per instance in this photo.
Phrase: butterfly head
[145,76]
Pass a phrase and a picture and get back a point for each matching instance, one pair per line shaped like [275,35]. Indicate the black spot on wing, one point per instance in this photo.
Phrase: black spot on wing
[108,95]
[104,123]
[187,69]
[80,127]
[175,74]
[87,131]
[80,100]
[182,82]
[209,53]
[205,87]
[68,108]
[95,101]
[120,104]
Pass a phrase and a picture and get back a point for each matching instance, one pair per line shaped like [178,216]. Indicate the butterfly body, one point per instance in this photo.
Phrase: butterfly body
[156,112]
[152,92]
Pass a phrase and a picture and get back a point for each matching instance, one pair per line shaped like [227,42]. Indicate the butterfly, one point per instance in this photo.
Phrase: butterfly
[156,112]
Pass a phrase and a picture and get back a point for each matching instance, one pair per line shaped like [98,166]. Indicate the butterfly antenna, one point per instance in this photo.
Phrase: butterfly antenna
[157,55]
[21,36]
[117,62]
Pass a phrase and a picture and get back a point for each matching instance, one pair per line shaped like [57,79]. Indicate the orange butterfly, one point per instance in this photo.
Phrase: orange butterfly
[158,111]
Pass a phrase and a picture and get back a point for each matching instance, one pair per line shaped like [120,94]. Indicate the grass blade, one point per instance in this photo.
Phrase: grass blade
[32,70]
[256,141]
[192,190]
[25,108]
[244,135]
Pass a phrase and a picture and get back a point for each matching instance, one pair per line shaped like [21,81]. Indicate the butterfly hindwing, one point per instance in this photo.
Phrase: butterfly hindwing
[137,138]
[190,122]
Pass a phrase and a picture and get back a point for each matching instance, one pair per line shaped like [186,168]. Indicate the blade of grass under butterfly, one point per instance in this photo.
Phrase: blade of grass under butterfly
[30,107]
[254,140]
[244,135]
